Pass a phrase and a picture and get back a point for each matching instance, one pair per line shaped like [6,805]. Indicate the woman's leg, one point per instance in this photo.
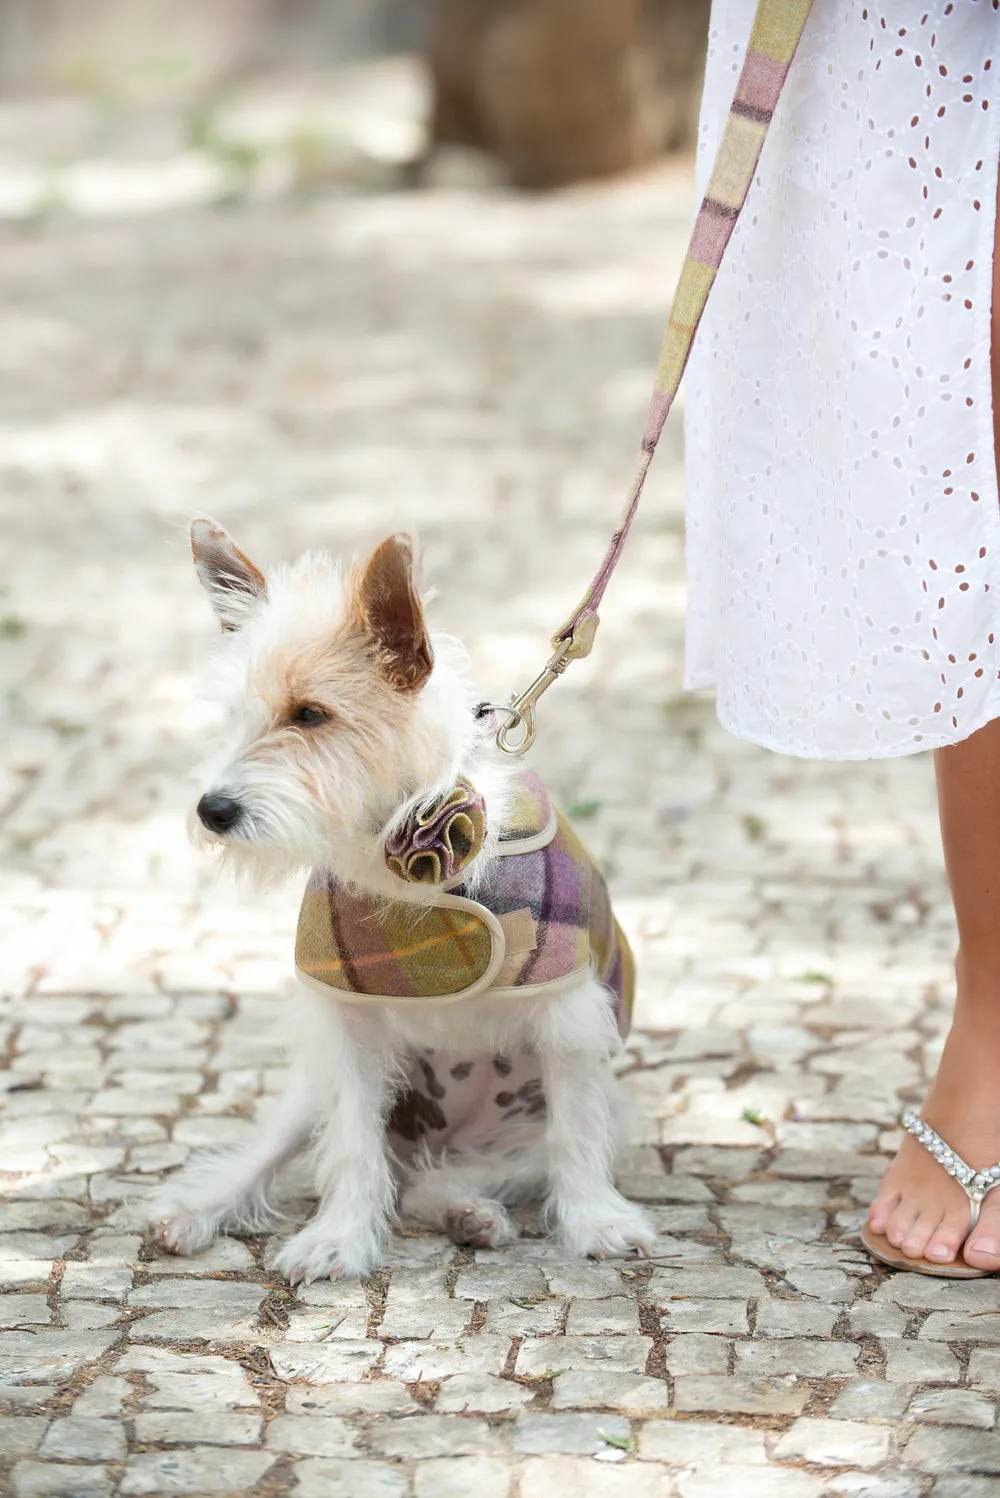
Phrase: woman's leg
[919,1208]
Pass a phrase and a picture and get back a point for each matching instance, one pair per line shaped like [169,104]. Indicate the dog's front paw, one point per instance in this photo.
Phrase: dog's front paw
[481,1224]
[605,1226]
[183,1232]
[316,1253]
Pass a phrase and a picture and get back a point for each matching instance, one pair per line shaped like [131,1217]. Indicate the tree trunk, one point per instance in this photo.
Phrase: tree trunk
[562,90]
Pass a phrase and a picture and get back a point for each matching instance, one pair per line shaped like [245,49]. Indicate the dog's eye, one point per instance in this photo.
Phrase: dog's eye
[309,715]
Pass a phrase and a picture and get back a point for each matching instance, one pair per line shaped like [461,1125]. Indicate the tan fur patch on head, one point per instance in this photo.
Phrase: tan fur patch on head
[333,674]
[326,697]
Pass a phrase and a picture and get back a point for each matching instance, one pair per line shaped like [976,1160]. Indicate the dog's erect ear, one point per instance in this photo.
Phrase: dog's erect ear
[230,579]
[387,607]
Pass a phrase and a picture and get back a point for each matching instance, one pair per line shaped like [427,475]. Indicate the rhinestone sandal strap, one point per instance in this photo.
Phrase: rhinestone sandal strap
[975,1183]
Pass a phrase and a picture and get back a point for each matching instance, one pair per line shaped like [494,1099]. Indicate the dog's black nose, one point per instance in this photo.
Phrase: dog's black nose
[219,813]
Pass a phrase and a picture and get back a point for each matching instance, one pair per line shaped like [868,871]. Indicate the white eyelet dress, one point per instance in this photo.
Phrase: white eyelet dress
[843,519]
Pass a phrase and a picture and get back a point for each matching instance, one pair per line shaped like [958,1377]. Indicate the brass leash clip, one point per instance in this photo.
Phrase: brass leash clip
[521,710]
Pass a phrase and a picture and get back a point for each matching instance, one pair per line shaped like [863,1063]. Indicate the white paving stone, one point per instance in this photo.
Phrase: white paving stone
[24,1310]
[725,1394]
[84,1438]
[626,1393]
[542,1477]
[796,1355]
[325,1362]
[931,1449]
[224,1253]
[695,1353]
[750,1482]
[443,1320]
[36,1357]
[409,1361]
[866,1399]
[306,1436]
[710,1282]
[984,1367]
[834,1443]
[920,1362]
[723,1317]
[682,1443]
[794,1318]
[325,1324]
[457,1477]
[943,1326]
[592,1281]
[584,1435]
[22,1435]
[321,1478]
[58,1480]
[188,1381]
[482,1394]
[198,1470]
[532,1319]
[486,1282]
[420,1436]
[618,1316]
[380,1398]
[547,1356]
[196,1427]
[953,1407]
[102,1398]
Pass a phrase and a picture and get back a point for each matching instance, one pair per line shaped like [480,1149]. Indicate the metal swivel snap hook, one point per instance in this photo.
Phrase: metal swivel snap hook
[518,734]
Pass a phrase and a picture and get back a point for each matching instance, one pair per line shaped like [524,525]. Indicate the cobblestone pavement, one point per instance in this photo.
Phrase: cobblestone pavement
[321,369]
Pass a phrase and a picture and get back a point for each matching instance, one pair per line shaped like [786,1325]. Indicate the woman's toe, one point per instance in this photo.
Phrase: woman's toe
[882,1209]
[945,1243]
[982,1250]
[900,1223]
[918,1235]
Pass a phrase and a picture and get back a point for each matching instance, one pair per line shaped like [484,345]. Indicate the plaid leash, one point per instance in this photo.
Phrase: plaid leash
[777,27]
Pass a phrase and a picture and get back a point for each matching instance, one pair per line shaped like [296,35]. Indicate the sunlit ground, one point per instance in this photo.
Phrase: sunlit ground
[242,310]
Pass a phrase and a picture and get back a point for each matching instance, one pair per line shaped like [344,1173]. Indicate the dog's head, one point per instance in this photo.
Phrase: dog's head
[335,709]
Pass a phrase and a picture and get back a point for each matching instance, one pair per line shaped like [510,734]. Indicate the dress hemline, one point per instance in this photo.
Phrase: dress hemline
[775,746]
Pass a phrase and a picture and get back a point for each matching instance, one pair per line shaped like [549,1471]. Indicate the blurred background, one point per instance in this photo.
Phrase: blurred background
[324,269]
[298,91]
[328,268]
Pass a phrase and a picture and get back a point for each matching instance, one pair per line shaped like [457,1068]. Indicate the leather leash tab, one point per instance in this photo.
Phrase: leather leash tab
[777,28]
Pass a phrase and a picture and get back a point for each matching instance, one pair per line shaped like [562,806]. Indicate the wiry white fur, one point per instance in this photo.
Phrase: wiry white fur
[326,799]
[388,752]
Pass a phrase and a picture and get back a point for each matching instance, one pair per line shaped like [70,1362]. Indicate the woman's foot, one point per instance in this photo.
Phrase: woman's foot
[919,1208]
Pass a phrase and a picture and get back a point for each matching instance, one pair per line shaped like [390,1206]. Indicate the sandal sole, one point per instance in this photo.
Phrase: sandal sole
[880,1248]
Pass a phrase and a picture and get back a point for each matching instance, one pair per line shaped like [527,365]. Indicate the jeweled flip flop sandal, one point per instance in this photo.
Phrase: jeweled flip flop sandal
[977,1184]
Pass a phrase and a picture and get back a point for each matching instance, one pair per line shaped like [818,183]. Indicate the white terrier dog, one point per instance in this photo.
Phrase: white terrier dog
[454,1047]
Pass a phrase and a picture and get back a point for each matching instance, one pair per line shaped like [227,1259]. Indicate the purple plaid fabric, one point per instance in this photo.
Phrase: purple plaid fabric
[552,904]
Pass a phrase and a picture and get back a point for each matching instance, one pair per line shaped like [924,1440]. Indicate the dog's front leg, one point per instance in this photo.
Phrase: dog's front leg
[352,1072]
[576,1038]
[229,1190]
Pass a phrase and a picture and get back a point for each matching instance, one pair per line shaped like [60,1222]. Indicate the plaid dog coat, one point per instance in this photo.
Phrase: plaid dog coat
[540,919]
